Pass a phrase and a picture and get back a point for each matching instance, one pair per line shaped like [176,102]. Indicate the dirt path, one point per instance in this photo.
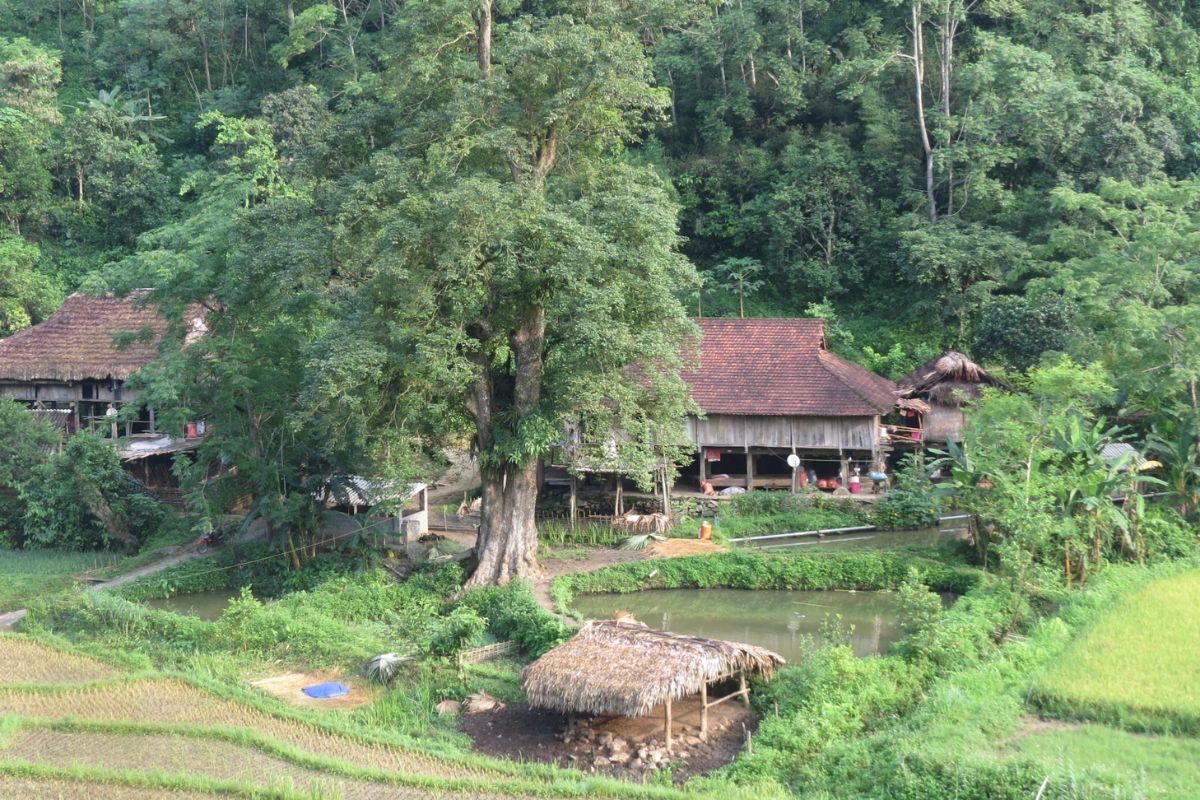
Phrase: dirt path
[10,620]
[589,561]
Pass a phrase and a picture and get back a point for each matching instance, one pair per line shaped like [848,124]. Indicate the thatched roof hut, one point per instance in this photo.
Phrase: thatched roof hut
[939,388]
[625,667]
[951,379]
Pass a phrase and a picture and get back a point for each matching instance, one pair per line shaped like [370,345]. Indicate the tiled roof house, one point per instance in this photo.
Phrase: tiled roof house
[770,388]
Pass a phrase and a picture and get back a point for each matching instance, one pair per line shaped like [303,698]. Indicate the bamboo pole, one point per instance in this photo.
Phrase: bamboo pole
[667,735]
[704,711]
[742,687]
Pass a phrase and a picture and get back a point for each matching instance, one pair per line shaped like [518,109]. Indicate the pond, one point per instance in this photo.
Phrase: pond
[775,619]
[205,605]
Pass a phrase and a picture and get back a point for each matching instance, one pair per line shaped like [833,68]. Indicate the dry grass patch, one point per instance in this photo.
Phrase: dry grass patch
[183,756]
[172,702]
[25,661]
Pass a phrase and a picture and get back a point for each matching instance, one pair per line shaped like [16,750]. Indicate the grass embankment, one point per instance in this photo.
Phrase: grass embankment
[749,569]
[1137,667]
[27,574]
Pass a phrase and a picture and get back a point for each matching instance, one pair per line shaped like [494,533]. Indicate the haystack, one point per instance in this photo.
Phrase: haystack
[626,667]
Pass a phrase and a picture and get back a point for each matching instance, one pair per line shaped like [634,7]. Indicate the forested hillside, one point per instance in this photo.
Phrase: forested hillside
[1006,177]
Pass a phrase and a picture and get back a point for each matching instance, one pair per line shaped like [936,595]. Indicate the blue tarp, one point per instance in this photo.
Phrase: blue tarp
[323,691]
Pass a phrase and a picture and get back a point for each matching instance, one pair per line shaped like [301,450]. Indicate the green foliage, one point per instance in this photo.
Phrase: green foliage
[512,612]
[912,503]
[27,575]
[82,499]
[456,630]
[24,445]
[747,569]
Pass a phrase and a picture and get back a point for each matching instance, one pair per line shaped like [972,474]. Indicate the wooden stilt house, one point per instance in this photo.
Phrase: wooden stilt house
[935,394]
[770,389]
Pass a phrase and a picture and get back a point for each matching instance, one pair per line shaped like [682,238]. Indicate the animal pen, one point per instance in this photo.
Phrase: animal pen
[626,667]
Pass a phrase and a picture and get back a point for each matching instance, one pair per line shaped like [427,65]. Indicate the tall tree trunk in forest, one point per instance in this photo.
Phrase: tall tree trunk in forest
[507,543]
[918,60]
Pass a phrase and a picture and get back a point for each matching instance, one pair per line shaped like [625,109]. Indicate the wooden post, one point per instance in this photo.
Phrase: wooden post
[574,499]
[703,463]
[742,688]
[749,471]
[667,735]
[704,711]
[620,495]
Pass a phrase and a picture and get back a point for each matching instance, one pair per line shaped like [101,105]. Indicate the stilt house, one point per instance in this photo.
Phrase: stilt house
[769,389]
[73,362]
[935,393]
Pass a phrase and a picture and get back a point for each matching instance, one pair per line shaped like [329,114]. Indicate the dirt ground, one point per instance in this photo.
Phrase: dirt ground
[287,687]
[517,731]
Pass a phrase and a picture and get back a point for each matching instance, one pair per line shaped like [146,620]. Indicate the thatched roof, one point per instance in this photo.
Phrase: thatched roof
[951,379]
[625,667]
[79,341]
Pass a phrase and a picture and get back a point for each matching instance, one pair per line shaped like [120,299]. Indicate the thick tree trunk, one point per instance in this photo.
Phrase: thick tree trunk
[507,546]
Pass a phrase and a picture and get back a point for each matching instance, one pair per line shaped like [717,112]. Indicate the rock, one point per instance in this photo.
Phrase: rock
[604,737]
[448,708]
[692,740]
[600,762]
[682,754]
[619,757]
[618,745]
[642,753]
[637,763]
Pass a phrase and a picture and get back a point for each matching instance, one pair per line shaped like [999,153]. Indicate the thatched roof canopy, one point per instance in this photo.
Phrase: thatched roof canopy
[79,341]
[625,667]
[950,379]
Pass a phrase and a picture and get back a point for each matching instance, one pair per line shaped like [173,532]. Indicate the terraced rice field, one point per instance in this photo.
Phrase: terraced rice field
[1137,662]
[25,662]
[66,716]
[17,788]
[172,702]
[186,756]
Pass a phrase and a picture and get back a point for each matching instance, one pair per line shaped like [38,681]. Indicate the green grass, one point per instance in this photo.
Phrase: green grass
[29,574]
[1136,666]
[1159,767]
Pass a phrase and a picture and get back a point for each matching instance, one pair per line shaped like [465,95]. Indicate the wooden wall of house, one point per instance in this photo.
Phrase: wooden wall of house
[62,392]
[942,423]
[832,433]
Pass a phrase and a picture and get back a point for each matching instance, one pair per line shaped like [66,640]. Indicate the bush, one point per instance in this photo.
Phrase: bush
[82,499]
[514,613]
[902,509]
[24,444]
[456,630]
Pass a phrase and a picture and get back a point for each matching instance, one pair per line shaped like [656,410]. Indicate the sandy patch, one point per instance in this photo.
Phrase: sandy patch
[287,687]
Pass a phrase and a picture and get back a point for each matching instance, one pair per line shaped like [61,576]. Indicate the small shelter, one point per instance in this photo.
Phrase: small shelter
[404,506]
[771,388]
[935,393]
[626,667]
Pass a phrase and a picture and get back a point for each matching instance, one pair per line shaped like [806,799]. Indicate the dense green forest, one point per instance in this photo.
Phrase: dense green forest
[396,206]
[1018,176]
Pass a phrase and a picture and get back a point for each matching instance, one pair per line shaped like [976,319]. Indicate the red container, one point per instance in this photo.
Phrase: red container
[855,487]
[189,431]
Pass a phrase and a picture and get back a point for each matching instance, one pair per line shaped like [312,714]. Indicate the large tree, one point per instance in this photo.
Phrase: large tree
[518,273]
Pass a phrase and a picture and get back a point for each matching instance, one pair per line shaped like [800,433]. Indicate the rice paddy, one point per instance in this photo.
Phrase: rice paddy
[40,573]
[26,662]
[168,701]
[182,756]
[1137,665]
[74,727]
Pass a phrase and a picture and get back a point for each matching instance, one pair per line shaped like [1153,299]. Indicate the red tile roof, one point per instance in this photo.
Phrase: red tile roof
[77,342]
[781,366]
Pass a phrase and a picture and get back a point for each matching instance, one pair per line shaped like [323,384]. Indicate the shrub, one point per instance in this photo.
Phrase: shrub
[82,499]
[514,613]
[456,630]
[904,509]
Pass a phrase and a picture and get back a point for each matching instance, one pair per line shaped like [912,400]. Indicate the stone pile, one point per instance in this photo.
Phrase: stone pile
[594,750]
